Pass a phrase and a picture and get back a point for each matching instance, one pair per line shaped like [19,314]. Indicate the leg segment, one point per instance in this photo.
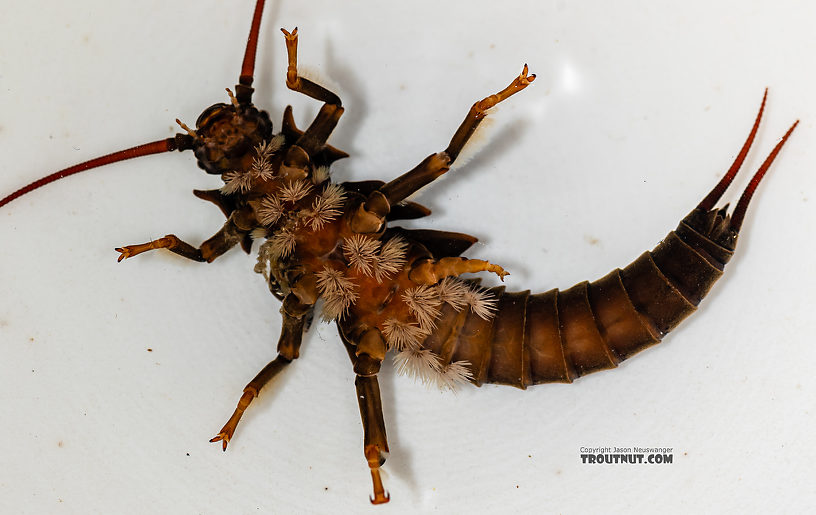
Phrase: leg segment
[366,356]
[431,272]
[315,137]
[424,173]
[375,443]
[294,319]
[436,164]
[251,391]
[479,111]
[297,83]
[372,213]
[219,243]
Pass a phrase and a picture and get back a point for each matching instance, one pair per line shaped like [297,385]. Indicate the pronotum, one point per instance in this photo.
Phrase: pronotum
[499,165]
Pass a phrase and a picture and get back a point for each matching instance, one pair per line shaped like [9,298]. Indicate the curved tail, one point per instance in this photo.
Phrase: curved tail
[558,336]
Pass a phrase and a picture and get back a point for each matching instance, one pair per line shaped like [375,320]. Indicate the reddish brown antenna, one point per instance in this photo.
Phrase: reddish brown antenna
[180,142]
[244,87]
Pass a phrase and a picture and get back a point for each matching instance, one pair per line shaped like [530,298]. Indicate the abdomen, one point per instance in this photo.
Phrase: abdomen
[558,336]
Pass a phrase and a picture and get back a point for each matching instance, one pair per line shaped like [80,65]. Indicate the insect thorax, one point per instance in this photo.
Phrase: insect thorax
[310,251]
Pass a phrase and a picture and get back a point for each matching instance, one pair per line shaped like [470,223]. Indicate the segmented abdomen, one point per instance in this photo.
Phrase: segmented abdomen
[558,336]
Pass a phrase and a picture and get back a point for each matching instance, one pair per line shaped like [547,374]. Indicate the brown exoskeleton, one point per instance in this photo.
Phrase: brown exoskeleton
[228,237]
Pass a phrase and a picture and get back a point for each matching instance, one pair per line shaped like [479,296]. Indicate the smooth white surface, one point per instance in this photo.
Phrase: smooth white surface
[638,109]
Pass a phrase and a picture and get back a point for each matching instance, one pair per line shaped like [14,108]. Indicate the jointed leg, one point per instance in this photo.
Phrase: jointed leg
[371,214]
[226,238]
[294,319]
[251,391]
[479,110]
[375,442]
[436,164]
[366,355]
[431,272]
[297,83]
[313,141]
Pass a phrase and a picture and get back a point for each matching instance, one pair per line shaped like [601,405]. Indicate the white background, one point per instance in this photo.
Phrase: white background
[638,109]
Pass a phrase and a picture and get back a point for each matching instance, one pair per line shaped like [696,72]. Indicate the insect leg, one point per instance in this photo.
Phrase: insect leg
[375,443]
[297,83]
[295,315]
[479,110]
[313,141]
[366,356]
[226,238]
[437,164]
[431,272]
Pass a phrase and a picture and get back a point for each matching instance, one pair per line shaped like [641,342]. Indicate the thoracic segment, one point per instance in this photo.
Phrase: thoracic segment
[382,280]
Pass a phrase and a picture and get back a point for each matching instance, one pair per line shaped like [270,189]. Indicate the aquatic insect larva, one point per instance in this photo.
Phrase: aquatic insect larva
[359,253]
